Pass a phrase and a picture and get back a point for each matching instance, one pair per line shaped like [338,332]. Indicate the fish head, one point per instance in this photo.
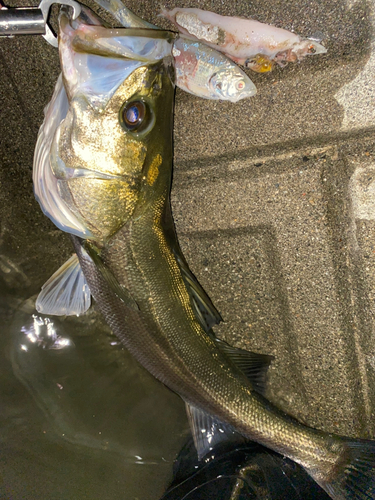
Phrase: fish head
[304,48]
[114,139]
[231,85]
[206,72]
[313,47]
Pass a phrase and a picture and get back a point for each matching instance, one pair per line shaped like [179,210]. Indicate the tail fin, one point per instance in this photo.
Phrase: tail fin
[356,479]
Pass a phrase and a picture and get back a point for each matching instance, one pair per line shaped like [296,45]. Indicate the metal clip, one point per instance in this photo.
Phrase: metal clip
[32,20]
[45,6]
[22,21]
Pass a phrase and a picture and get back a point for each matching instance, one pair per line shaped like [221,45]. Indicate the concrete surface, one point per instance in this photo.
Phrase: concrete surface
[273,200]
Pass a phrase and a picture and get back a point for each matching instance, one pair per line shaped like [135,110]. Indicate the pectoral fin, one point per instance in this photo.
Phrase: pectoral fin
[252,364]
[208,432]
[66,293]
[120,291]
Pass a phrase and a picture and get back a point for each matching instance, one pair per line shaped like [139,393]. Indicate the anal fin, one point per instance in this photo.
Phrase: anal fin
[66,293]
[209,432]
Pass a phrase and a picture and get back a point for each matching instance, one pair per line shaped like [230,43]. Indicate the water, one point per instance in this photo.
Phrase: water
[79,418]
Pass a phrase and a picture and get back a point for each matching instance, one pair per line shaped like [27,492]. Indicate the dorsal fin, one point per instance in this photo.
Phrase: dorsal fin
[66,293]
[205,311]
[252,364]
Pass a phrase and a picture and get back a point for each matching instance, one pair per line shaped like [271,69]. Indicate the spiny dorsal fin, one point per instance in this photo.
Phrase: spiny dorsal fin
[252,364]
[208,432]
[66,293]
[120,291]
[205,311]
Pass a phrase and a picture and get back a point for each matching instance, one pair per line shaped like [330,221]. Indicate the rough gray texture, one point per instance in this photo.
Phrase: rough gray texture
[272,197]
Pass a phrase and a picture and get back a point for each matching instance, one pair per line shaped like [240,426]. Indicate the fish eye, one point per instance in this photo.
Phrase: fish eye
[240,85]
[134,116]
[311,49]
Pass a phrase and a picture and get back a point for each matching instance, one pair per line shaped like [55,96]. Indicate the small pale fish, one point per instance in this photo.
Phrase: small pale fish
[204,72]
[243,40]
[199,69]
[106,144]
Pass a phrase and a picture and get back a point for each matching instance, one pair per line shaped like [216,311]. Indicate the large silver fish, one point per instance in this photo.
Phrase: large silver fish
[102,172]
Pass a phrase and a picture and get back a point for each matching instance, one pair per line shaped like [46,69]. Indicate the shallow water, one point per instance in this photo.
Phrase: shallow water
[79,418]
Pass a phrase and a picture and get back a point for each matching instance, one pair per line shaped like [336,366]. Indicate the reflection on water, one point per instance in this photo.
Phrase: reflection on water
[42,332]
[79,418]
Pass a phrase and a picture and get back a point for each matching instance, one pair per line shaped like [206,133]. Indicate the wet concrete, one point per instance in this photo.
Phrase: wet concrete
[272,198]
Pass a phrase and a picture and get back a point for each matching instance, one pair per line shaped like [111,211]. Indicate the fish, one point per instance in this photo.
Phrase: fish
[199,69]
[248,42]
[204,72]
[102,172]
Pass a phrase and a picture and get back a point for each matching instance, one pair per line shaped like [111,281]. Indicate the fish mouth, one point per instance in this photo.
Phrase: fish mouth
[87,34]
[316,47]
[95,60]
